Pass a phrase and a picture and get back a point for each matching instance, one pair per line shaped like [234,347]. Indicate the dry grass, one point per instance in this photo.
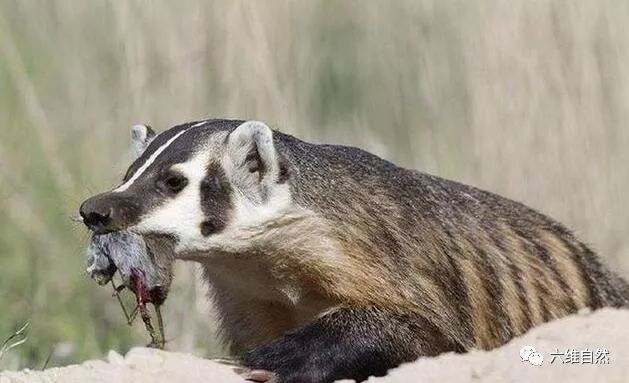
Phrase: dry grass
[526,98]
[14,340]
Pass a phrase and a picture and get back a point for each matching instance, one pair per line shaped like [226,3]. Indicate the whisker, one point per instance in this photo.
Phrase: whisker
[76,218]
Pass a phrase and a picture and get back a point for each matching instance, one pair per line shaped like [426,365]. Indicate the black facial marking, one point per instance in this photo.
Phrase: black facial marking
[209,227]
[215,200]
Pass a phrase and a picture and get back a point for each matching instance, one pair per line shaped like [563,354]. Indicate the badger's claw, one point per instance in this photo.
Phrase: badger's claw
[258,376]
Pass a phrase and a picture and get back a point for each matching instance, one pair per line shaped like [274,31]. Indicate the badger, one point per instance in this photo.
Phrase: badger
[326,262]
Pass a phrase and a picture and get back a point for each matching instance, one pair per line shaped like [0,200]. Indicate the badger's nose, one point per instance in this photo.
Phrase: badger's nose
[96,215]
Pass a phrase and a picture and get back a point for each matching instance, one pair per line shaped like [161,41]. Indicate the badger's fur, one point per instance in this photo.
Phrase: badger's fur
[327,262]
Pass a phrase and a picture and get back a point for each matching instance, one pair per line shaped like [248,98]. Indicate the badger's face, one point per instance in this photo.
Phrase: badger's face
[195,182]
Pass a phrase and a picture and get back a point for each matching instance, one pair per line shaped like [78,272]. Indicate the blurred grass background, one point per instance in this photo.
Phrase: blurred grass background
[526,98]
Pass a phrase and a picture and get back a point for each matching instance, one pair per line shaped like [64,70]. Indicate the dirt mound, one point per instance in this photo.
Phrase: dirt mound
[589,347]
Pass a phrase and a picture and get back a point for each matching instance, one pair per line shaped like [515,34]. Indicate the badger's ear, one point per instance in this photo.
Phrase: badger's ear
[141,137]
[253,155]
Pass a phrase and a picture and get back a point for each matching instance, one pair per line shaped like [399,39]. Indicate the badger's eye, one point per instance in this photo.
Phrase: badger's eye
[173,183]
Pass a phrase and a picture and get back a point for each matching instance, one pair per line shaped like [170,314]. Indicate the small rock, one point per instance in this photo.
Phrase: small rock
[115,358]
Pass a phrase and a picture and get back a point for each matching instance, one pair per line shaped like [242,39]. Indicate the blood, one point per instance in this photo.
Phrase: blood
[138,285]
[142,297]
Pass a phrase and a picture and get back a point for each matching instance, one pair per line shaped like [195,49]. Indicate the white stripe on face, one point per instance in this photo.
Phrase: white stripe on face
[148,163]
[200,123]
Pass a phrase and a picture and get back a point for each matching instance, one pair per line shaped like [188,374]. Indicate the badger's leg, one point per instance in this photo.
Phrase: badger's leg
[348,343]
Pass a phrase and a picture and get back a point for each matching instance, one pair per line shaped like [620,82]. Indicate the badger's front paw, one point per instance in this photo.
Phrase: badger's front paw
[317,353]
[270,364]
[347,343]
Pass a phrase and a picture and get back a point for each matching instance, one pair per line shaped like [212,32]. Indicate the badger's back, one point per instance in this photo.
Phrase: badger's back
[481,268]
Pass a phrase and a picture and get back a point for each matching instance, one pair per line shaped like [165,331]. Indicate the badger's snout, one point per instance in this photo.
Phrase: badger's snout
[107,212]
[96,216]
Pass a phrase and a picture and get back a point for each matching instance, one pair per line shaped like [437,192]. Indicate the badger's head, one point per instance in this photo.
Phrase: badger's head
[195,184]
